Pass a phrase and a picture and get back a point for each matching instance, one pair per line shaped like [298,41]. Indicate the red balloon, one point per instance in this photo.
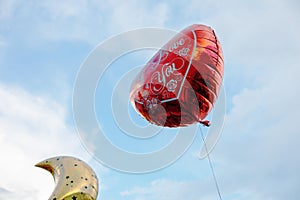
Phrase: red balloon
[181,82]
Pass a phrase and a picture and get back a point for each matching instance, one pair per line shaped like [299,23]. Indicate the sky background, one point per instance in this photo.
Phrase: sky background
[43,44]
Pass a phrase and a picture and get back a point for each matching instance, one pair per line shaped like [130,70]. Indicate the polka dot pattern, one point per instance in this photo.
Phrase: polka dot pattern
[74,179]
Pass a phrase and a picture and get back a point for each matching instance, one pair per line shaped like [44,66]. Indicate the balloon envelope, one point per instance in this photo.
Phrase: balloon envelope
[74,179]
[181,82]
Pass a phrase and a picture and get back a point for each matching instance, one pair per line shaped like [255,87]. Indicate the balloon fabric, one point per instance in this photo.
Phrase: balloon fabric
[181,82]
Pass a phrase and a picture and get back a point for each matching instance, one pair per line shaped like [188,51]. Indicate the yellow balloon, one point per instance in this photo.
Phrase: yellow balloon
[74,179]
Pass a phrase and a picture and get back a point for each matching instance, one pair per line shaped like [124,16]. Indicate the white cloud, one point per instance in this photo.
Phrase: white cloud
[63,9]
[5,194]
[254,35]
[164,189]
[32,128]
[132,14]
[87,21]
[68,20]
[258,151]
[2,41]
[7,8]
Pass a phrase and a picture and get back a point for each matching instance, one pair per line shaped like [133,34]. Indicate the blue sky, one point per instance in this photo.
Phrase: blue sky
[43,44]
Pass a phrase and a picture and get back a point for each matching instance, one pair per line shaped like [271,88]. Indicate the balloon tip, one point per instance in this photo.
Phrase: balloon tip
[205,123]
[45,165]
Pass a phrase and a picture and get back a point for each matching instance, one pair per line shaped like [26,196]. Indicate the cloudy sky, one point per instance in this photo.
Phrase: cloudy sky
[43,44]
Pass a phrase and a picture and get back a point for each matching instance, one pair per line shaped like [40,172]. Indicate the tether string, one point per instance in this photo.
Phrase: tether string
[211,165]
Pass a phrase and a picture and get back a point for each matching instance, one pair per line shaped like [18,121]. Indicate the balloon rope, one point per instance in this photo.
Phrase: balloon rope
[211,165]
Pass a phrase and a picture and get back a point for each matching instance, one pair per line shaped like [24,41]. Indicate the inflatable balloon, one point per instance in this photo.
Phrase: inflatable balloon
[181,82]
[74,179]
